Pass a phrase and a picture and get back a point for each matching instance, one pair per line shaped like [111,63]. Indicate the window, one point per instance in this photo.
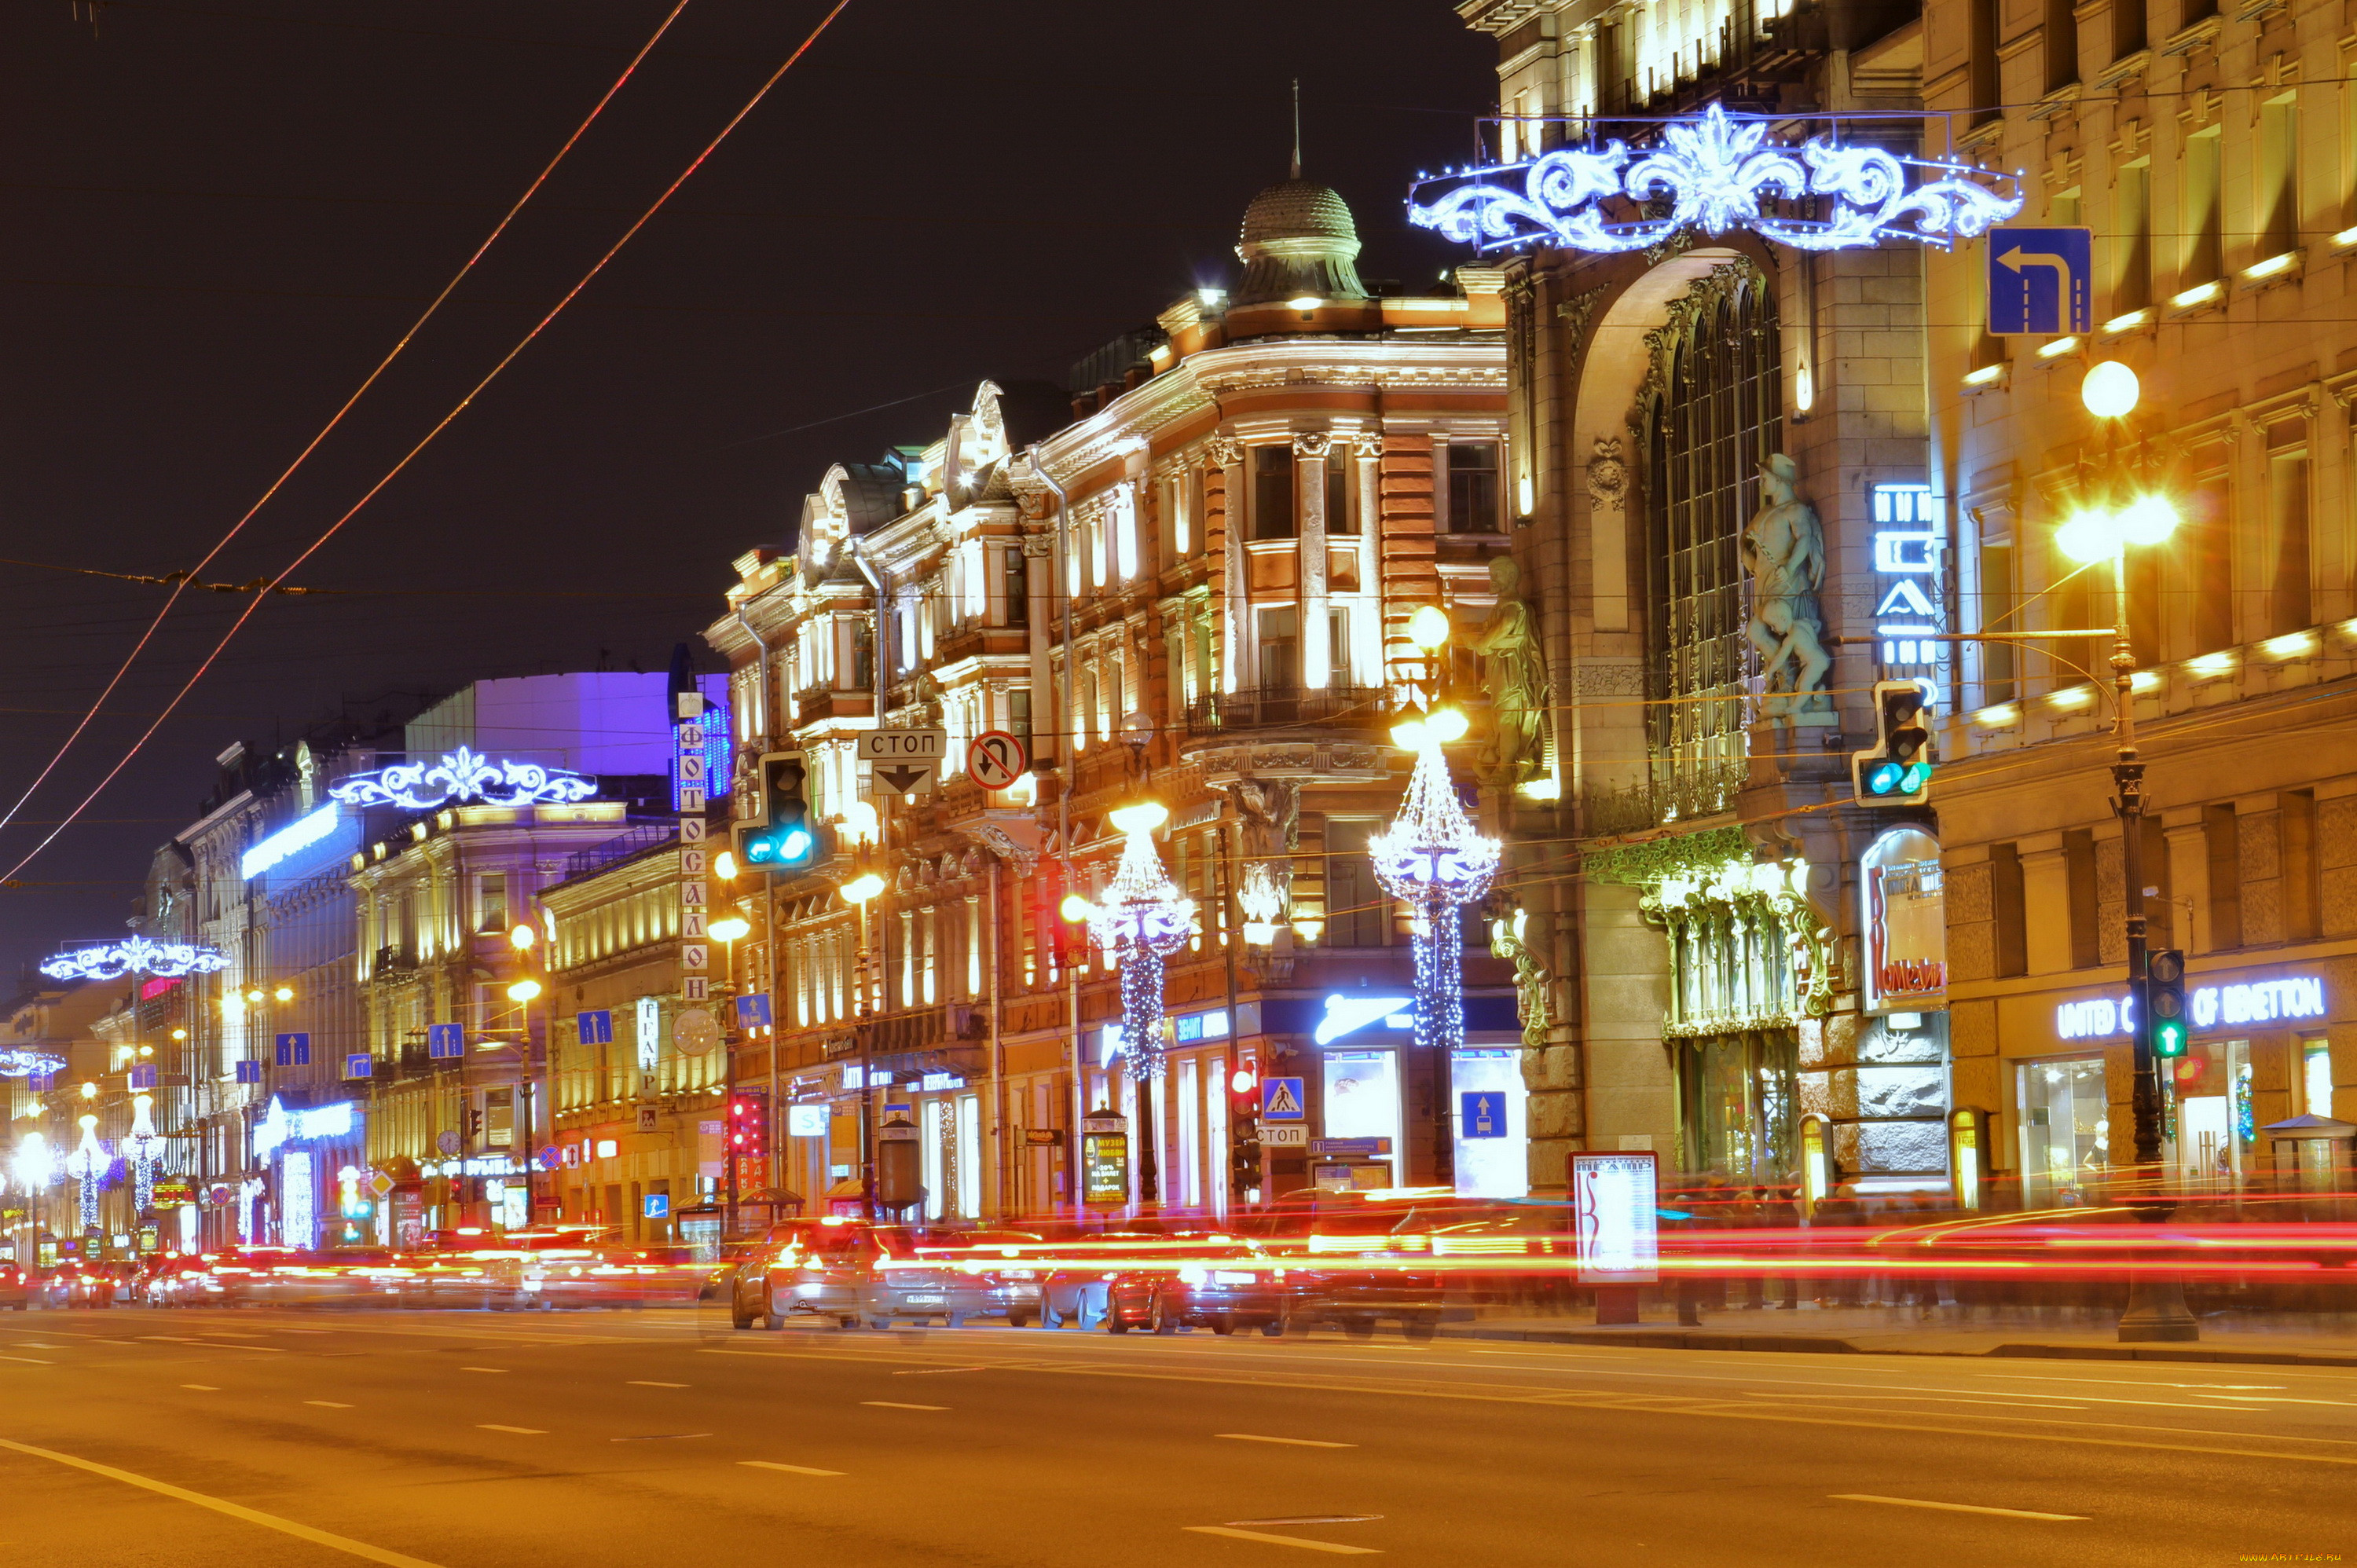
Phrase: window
[491,901]
[2127,28]
[1988,92]
[2062,45]
[2302,883]
[2277,196]
[2132,279]
[1280,649]
[1998,596]
[2205,555]
[1016,586]
[1473,489]
[2288,608]
[2065,1130]
[2011,908]
[2079,869]
[2316,1075]
[2204,223]
[1340,669]
[1341,495]
[1357,915]
[2222,842]
[1018,712]
[1272,500]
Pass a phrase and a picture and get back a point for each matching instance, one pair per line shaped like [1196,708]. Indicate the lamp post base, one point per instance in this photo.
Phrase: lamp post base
[2156,1313]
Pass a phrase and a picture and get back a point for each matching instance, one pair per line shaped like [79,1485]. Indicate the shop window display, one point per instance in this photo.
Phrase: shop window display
[2065,1131]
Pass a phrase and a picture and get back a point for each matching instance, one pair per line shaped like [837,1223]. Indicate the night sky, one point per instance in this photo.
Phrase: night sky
[217,218]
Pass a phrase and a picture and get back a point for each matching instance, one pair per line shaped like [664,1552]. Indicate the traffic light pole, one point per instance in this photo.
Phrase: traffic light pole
[2156,1309]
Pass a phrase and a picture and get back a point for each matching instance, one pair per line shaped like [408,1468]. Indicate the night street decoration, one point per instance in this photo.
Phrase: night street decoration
[464,774]
[1431,859]
[1141,919]
[18,1062]
[88,1165]
[144,1150]
[1716,172]
[112,960]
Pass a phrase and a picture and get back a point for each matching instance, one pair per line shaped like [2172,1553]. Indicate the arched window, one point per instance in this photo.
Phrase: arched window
[1713,412]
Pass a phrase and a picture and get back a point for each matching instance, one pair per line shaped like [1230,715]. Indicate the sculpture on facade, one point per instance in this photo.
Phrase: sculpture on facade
[1784,555]
[1271,812]
[1515,674]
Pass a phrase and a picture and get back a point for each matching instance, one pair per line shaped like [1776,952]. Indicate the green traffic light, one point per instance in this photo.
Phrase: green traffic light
[2168,1039]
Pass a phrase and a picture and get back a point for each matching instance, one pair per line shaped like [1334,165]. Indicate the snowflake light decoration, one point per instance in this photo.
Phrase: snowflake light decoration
[1432,860]
[1141,919]
[464,774]
[1715,172]
[112,960]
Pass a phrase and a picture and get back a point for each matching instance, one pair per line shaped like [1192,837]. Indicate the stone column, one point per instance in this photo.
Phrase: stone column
[1229,581]
[1309,489]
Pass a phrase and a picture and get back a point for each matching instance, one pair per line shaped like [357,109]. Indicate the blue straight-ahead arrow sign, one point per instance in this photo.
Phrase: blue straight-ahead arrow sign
[2040,280]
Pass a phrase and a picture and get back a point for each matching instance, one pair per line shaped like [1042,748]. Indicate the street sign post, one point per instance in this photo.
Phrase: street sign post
[997,759]
[1484,1114]
[903,761]
[1281,1099]
[2040,282]
[596,1028]
[1294,1135]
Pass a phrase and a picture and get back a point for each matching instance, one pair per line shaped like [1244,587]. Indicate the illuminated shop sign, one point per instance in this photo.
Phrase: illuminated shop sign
[296,837]
[279,1125]
[1905,922]
[482,1165]
[464,774]
[1347,1015]
[1910,600]
[2211,1006]
[1714,172]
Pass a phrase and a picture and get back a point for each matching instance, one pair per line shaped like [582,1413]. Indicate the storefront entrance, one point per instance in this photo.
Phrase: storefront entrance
[1736,1100]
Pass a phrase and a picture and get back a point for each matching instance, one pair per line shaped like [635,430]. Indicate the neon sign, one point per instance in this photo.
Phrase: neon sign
[1717,172]
[1911,609]
[1347,1015]
[298,835]
[464,774]
[112,960]
[279,1125]
[2256,1002]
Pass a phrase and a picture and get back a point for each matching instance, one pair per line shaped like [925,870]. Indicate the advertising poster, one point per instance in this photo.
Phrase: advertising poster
[1615,1227]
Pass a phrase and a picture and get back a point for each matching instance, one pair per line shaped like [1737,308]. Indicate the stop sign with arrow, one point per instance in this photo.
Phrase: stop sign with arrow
[2040,282]
[903,760]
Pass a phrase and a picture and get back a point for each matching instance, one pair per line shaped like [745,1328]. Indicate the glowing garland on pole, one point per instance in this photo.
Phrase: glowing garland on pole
[1432,860]
[166,961]
[1140,922]
[144,1151]
[87,1164]
[1715,172]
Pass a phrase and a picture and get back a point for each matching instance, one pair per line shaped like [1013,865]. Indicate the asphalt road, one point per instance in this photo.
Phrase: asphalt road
[239,1439]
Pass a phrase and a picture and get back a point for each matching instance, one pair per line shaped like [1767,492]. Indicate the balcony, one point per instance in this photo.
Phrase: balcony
[1353,710]
[813,705]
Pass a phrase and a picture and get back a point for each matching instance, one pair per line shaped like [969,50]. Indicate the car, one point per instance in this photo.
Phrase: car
[15,1287]
[855,1272]
[81,1284]
[1363,1258]
[1013,1266]
[1204,1280]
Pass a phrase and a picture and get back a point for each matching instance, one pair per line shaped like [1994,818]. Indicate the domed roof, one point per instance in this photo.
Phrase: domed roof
[1297,241]
[1296,210]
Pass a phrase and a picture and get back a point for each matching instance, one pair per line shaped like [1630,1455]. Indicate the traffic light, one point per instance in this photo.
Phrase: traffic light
[783,837]
[2164,999]
[1897,770]
[749,1123]
[1243,1130]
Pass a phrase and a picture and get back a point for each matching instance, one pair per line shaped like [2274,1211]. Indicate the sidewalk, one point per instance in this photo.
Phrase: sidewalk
[2284,1341]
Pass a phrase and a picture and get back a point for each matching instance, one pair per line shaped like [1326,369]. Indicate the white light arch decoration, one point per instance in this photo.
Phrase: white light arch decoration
[464,774]
[1716,170]
[112,960]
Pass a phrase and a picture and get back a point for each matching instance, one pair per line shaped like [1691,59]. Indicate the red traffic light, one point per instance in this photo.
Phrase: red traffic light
[1245,1080]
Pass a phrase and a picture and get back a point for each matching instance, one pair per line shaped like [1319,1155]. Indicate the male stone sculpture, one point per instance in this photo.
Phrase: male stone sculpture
[1784,552]
[1515,675]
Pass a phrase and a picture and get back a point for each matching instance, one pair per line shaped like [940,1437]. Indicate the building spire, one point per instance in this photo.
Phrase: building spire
[1297,127]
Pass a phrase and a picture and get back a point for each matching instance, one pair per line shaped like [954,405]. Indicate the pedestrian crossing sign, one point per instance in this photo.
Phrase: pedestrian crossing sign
[1281,1099]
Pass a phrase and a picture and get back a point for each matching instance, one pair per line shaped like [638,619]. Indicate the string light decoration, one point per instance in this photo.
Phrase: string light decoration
[88,1165]
[1431,860]
[1717,172]
[112,960]
[18,1062]
[1141,919]
[464,774]
[145,1152]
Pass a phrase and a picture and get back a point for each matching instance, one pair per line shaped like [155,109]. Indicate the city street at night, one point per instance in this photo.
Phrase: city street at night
[220,1438]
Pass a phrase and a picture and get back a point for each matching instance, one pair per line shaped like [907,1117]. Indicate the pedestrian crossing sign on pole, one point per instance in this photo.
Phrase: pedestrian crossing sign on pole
[1281,1099]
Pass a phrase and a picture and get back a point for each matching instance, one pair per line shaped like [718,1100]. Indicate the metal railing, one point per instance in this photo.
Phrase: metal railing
[1289,707]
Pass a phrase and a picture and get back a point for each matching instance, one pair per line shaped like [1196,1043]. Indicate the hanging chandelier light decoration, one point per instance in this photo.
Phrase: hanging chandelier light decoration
[1141,919]
[87,1165]
[112,960]
[1714,172]
[1431,859]
[145,1152]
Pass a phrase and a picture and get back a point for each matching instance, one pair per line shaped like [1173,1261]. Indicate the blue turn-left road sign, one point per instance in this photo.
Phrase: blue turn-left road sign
[2041,282]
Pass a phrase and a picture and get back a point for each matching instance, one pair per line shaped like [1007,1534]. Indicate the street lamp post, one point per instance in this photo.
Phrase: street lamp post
[1141,919]
[2104,530]
[522,992]
[856,893]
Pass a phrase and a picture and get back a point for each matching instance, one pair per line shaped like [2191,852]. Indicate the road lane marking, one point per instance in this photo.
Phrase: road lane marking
[1334,1546]
[1954,1508]
[896,1405]
[2120,1382]
[28,1360]
[521,1431]
[657,1437]
[1926,1399]
[482,1368]
[928,1372]
[327,1404]
[207,1344]
[650,1383]
[343,1543]
[788,1469]
[201,1388]
[1290,1442]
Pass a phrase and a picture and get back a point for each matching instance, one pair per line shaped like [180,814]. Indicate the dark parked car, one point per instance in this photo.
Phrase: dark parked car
[15,1287]
[853,1271]
[1209,1281]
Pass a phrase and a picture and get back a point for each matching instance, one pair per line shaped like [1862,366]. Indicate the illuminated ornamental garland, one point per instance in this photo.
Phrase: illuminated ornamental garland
[1715,172]
[464,774]
[87,1165]
[1141,922]
[137,956]
[1432,860]
[18,1062]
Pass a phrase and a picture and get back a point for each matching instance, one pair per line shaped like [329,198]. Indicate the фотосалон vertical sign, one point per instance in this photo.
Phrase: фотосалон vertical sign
[1909,582]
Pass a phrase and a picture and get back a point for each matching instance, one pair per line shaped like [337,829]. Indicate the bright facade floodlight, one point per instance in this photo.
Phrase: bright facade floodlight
[166,961]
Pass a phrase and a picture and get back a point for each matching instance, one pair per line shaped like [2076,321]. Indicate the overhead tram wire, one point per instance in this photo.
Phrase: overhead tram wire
[359,391]
[258,600]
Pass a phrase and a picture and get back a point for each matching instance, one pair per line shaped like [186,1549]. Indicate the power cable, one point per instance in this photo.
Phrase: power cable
[300,457]
[443,423]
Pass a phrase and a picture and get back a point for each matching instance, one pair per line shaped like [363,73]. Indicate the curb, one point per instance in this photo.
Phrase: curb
[1829,1345]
